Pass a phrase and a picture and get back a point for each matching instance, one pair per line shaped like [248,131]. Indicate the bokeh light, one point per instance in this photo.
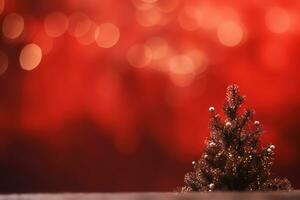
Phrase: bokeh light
[142,5]
[158,46]
[167,5]
[30,57]
[182,70]
[230,33]
[56,24]
[278,20]
[149,1]
[107,35]
[150,17]
[79,24]
[199,58]
[89,37]
[181,64]
[189,18]
[139,55]
[13,26]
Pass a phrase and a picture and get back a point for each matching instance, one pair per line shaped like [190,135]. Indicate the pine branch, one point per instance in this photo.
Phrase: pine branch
[234,158]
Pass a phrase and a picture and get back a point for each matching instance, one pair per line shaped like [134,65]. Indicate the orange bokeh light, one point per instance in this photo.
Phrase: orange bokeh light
[107,35]
[139,55]
[278,20]
[13,26]
[30,57]
[56,24]
[79,24]
[230,33]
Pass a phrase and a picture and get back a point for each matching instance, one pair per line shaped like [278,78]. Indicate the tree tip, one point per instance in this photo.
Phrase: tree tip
[232,89]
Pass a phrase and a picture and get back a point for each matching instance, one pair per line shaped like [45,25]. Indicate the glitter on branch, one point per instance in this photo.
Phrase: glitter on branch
[234,158]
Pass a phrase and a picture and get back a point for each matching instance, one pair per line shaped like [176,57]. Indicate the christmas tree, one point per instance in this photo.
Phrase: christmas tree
[234,158]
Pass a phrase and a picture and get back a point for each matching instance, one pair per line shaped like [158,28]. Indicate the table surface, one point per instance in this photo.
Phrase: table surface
[294,195]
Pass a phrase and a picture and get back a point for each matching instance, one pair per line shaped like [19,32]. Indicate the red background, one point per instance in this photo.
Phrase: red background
[85,119]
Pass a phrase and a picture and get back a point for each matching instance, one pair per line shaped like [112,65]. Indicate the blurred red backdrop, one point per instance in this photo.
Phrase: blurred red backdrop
[113,95]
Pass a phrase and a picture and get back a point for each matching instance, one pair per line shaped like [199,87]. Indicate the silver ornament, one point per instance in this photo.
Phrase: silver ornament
[256,123]
[228,124]
[211,109]
[212,144]
[272,147]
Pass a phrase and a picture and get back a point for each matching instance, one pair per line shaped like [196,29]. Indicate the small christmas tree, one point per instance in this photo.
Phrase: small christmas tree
[233,158]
